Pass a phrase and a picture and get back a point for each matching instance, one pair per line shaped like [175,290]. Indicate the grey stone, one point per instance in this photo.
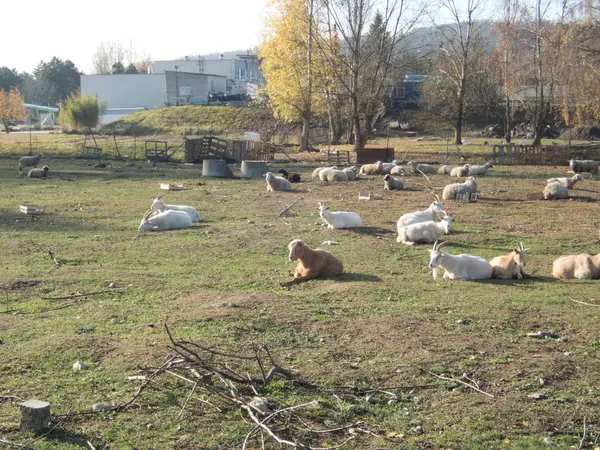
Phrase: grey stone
[79,365]
[102,407]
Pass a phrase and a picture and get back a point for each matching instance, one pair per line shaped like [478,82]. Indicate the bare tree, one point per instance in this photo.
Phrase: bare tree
[110,53]
[363,70]
[457,60]
[507,49]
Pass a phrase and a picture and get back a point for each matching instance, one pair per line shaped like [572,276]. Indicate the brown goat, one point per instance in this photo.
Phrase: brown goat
[584,266]
[507,267]
[312,263]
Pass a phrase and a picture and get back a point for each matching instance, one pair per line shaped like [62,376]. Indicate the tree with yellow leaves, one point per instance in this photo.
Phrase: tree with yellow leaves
[288,64]
[11,108]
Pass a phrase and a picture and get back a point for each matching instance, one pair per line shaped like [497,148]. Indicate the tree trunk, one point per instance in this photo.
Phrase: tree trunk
[508,130]
[6,127]
[304,139]
[458,123]
[308,107]
[359,143]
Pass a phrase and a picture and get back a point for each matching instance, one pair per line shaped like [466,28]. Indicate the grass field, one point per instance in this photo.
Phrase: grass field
[373,328]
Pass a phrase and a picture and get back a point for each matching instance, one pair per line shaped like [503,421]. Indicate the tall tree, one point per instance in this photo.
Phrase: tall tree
[456,63]
[59,79]
[288,64]
[10,78]
[11,108]
[364,69]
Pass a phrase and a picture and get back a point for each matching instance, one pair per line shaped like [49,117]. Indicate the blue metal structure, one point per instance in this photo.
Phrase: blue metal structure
[41,115]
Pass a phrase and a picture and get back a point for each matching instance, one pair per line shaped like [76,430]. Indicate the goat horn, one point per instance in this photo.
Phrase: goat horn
[147,214]
[437,198]
[441,244]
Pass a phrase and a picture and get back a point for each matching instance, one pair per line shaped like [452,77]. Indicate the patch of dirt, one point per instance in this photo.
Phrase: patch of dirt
[201,305]
[21,284]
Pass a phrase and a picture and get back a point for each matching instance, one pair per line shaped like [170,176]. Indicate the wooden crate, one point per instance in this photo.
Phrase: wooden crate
[372,155]
[31,210]
[171,187]
[467,197]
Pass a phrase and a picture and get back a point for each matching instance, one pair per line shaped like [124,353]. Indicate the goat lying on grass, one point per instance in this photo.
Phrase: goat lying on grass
[312,263]
[507,267]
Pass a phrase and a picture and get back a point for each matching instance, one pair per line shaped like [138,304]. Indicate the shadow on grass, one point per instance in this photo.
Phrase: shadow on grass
[370,230]
[63,436]
[350,276]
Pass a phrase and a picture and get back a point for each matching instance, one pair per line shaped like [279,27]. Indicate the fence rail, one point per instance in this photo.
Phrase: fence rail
[231,150]
[555,155]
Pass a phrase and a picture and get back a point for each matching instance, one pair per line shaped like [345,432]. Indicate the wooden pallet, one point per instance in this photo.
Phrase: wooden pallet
[171,187]
[31,210]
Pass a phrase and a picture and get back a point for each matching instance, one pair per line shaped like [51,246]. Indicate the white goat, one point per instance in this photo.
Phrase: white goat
[29,161]
[465,267]
[167,220]
[565,181]
[390,183]
[431,213]
[424,232]
[479,170]
[277,183]
[158,205]
[339,219]
[507,267]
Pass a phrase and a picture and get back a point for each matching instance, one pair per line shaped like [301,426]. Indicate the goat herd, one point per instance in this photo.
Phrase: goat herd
[431,224]
[424,226]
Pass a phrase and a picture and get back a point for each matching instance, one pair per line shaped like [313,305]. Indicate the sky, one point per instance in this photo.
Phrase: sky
[73,29]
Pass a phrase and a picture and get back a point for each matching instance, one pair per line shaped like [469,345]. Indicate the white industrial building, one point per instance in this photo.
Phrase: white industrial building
[152,90]
[243,73]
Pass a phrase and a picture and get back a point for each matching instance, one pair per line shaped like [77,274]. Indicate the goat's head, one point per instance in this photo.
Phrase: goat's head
[296,248]
[520,255]
[158,204]
[387,178]
[436,255]
[45,169]
[269,176]
[437,206]
[283,172]
[578,177]
[447,222]
[145,225]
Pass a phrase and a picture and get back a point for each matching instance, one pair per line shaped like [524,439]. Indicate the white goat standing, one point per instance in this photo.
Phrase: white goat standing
[465,267]
[158,205]
[431,213]
[339,219]
[425,232]
[167,220]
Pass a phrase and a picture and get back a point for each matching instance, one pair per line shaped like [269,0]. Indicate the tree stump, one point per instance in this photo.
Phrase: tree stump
[35,415]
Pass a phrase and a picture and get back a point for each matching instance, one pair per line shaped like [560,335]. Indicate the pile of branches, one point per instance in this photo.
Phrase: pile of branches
[225,381]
